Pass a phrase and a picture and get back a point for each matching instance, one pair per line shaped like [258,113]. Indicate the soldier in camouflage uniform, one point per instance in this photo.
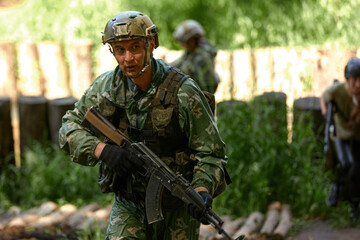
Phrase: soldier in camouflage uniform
[198,59]
[182,133]
[345,138]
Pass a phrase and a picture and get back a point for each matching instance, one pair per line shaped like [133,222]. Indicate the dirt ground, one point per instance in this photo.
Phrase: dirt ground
[317,230]
[320,230]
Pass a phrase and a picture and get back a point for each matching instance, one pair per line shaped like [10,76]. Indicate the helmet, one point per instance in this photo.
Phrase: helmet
[129,25]
[187,30]
[352,68]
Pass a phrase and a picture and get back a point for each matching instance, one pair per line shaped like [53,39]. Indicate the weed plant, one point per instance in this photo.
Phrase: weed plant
[48,174]
[265,166]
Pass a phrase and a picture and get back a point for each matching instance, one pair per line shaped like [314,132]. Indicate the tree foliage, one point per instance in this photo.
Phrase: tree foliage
[229,23]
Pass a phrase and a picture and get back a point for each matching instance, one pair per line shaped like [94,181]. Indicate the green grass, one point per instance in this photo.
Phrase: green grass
[48,174]
[265,167]
[263,164]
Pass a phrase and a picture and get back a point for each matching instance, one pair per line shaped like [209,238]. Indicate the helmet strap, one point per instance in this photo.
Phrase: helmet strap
[147,60]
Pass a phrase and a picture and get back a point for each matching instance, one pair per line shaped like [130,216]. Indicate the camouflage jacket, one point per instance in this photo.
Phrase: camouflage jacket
[344,106]
[113,89]
[199,64]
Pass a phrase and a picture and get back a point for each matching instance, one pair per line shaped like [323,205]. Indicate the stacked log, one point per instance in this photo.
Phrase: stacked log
[50,219]
[275,224]
[272,219]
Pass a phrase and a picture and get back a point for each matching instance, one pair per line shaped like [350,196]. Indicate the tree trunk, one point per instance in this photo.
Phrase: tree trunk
[57,109]
[6,133]
[53,68]
[30,80]
[81,68]
[311,106]
[8,69]
[33,116]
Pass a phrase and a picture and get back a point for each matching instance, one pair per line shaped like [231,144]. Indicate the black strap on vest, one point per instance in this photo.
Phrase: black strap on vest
[168,89]
[167,94]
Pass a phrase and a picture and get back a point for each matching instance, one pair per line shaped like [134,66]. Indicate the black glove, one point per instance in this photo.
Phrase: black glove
[120,160]
[196,213]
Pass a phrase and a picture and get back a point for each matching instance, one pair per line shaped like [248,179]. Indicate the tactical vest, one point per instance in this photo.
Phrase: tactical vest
[161,133]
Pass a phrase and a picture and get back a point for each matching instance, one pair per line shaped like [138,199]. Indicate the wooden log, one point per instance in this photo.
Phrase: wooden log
[107,61]
[81,67]
[285,224]
[33,116]
[227,106]
[57,109]
[24,219]
[330,64]
[9,215]
[207,231]
[54,70]
[241,70]
[30,81]
[275,113]
[272,219]
[230,226]
[57,217]
[309,106]
[263,64]
[223,63]
[79,217]
[8,69]
[101,216]
[6,133]
[252,224]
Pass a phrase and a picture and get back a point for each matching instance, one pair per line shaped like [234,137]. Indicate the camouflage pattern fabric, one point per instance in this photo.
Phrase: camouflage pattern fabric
[199,64]
[127,222]
[113,89]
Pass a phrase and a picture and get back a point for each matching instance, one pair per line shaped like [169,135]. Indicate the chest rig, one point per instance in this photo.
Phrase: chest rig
[161,132]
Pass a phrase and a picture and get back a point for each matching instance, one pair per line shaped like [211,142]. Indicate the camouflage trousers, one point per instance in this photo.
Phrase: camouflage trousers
[127,222]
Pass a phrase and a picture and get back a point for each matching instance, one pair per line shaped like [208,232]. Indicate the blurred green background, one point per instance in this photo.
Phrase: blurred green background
[264,165]
[229,23]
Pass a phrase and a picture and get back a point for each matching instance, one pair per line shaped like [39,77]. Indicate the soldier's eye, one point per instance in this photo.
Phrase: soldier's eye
[119,51]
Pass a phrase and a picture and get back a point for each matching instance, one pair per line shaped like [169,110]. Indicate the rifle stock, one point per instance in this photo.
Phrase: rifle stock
[160,176]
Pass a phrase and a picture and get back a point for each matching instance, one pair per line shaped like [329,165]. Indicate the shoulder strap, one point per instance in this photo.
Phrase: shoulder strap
[168,89]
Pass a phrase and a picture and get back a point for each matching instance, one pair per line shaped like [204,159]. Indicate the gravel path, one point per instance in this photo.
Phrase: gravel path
[323,231]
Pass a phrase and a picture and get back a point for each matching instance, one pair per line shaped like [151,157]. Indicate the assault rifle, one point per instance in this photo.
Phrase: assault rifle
[159,174]
[329,123]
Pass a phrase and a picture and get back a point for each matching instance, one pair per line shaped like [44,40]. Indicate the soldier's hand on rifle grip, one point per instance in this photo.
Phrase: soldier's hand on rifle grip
[120,160]
[197,213]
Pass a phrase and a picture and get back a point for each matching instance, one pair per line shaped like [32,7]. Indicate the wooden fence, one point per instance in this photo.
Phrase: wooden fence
[45,70]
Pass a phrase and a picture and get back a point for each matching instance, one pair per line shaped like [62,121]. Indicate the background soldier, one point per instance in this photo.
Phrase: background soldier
[199,57]
[173,120]
[346,141]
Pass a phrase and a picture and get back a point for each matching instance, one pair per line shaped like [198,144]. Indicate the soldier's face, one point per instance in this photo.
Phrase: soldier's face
[190,45]
[130,55]
[354,85]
